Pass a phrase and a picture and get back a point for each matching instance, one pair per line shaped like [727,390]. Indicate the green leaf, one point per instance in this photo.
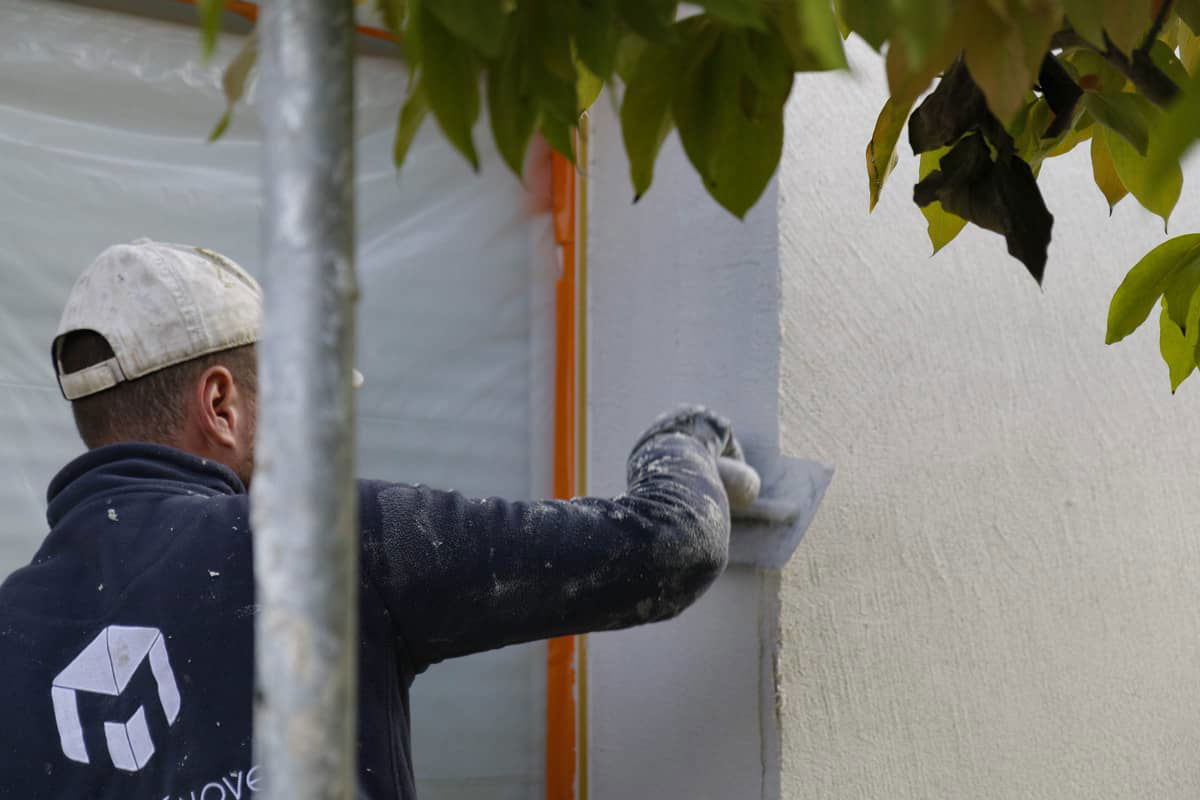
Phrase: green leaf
[1032,143]
[553,74]
[587,88]
[1095,73]
[1172,32]
[728,106]
[923,25]
[412,114]
[512,106]
[1004,53]
[451,81]
[1189,54]
[1179,354]
[1105,172]
[1127,21]
[1191,325]
[1180,291]
[651,19]
[907,81]
[1147,282]
[481,23]
[233,82]
[629,52]
[821,35]
[1121,114]
[1189,12]
[918,54]
[558,135]
[1077,136]
[881,150]
[1086,17]
[210,24]
[1158,197]
[1176,133]
[1163,57]
[557,97]
[393,13]
[737,12]
[1029,124]
[766,64]
[551,23]
[698,41]
[810,32]
[646,111]
[784,16]
[873,20]
[222,125]
[1183,357]
[941,225]
[597,35]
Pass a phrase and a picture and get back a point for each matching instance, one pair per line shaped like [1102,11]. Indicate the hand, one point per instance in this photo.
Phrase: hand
[741,481]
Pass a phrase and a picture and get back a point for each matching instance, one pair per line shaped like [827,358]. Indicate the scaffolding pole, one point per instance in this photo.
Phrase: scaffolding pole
[304,501]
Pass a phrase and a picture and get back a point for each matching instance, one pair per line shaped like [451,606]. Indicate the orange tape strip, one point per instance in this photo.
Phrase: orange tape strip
[561,715]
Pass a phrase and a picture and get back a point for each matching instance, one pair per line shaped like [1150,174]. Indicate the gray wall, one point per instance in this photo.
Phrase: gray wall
[682,306]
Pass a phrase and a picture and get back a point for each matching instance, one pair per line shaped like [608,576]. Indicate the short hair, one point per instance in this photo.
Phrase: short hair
[150,408]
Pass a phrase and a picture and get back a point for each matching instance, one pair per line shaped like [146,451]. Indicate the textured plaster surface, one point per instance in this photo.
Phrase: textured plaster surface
[999,597]
[682,307]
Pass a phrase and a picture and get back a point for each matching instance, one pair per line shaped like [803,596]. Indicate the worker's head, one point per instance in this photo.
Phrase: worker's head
[156,344]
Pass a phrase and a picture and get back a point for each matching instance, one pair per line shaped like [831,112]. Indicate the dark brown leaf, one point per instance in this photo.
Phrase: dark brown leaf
[1061,93]
[1000,195]
[956,107]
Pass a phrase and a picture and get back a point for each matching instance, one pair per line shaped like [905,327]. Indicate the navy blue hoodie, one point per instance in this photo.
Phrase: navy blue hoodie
[126,646]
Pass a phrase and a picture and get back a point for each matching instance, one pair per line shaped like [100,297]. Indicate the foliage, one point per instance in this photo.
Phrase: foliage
[719,74]
[1014,83]
[1017,82]
[720,77]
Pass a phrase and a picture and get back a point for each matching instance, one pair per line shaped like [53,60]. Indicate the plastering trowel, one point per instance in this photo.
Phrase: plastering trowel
[771,509]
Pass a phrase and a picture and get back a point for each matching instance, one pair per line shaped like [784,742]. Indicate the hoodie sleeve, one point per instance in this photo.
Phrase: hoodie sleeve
[461,575]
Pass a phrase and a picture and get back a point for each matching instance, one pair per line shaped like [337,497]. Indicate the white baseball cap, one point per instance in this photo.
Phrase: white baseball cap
[157,305]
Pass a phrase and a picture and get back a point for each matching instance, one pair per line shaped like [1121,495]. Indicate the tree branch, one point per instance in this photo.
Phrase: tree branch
[1146,77]
[1160,19]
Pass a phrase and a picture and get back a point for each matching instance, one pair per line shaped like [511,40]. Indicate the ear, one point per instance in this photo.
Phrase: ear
[220,408]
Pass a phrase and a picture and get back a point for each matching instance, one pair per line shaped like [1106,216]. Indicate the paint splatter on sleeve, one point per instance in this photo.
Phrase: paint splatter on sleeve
[462,575]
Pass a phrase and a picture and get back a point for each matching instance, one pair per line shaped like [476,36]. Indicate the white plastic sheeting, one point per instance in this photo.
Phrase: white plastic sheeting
[103,118]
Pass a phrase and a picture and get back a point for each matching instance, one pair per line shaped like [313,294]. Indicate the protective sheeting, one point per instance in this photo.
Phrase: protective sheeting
[103,118]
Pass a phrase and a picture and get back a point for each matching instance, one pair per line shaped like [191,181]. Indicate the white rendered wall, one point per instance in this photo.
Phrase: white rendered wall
[1000,595]
[682,307]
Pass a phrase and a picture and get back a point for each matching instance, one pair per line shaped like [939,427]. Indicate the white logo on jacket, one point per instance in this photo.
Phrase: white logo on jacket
[106,666]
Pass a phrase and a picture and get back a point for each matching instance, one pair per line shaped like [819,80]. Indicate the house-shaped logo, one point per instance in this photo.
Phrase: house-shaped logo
[106,666]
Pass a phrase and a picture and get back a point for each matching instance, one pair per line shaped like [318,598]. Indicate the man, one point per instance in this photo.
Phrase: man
[126,645]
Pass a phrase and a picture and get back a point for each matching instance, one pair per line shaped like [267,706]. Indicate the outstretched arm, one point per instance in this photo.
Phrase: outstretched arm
[461,575]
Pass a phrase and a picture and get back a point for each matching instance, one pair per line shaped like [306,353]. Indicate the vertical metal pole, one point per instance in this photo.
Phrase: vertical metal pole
[304,501]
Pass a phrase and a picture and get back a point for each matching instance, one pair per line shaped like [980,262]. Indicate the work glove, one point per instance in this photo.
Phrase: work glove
[741,481]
